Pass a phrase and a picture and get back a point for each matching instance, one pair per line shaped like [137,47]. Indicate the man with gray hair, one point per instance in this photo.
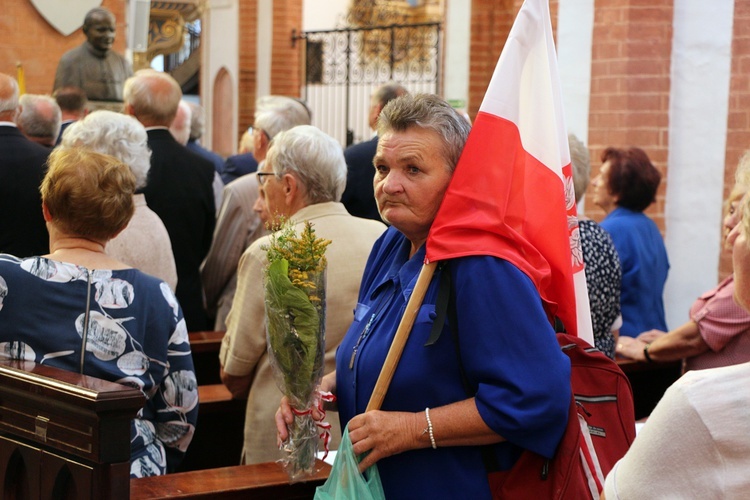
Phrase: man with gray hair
[302,179]
[23,232]
[359,196]
[179,186]
[273,113]
[40,119]
[238,225]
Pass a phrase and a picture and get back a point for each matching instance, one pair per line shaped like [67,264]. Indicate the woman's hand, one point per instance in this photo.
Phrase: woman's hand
[285,415]
[631,348]
[385,433]
[650,336]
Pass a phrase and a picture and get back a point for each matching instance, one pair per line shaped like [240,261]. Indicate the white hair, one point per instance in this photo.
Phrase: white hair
[275,113]
[314,157]
[116,135]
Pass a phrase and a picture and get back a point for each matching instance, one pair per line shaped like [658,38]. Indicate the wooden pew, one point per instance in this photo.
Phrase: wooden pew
[63,435]
[266,481]
[205,347]
[219,433]
[649,381]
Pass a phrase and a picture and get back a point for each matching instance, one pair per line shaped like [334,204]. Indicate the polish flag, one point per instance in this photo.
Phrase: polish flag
[512,193]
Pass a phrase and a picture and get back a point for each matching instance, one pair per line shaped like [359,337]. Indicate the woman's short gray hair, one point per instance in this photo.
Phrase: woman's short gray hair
[427,111]
[314,157]
[116,135]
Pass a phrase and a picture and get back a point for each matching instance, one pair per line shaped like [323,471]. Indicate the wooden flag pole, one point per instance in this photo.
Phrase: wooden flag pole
[402,335]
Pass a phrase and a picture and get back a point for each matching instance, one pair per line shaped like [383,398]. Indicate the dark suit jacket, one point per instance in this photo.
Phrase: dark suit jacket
[237,166]
[23,232]
[359,195]
[63,126]
[214,158]
[179,191]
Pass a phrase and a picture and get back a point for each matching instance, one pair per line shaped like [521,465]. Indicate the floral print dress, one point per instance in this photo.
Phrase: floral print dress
[136,336]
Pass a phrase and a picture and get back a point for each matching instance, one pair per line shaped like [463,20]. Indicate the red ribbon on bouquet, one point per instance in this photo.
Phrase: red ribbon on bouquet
[325,435]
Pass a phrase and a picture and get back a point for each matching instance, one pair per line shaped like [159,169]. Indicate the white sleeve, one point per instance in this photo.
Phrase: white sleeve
[673,456]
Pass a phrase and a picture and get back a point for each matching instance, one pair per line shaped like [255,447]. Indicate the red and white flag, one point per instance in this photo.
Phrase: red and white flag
[512,193]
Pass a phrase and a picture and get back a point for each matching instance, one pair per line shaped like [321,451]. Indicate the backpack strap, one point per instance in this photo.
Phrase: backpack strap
[441,303]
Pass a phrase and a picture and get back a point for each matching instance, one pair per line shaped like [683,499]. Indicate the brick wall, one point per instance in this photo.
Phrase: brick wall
[28,38]
[738,120]
[630,85]
[248,63]
[491,21]
[285,59]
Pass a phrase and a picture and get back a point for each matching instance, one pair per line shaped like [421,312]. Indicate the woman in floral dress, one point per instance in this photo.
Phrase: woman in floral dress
[79,309]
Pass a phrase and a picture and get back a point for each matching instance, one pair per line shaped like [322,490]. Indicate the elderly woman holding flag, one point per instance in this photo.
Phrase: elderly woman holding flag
[489,376]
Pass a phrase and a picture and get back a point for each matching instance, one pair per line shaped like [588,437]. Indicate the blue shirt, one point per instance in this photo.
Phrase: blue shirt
[645,265]
[508,351]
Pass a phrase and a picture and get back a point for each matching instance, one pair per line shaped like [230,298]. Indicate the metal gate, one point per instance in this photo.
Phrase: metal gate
[343,67]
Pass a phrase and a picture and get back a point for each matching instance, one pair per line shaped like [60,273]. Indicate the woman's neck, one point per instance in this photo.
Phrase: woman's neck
[70,244]
[83,252]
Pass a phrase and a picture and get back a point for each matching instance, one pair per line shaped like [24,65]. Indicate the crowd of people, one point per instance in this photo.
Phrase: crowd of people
[132,234]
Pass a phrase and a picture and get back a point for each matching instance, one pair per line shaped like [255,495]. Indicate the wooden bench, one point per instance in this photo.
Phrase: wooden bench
[63,435]
[266,481]
[219,433]
[205,347]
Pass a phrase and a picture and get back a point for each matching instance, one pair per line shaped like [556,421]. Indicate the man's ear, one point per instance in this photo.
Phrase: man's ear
[290,186]
[45,213]
[127,108]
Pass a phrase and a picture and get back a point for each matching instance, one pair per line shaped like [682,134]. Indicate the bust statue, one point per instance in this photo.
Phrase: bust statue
[94,66]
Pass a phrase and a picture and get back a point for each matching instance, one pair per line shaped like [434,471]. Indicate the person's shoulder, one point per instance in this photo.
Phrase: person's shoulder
[361,151]
[370,225]
[591,230]
[709,380]
[484,268]
[243,184]
[8,261]
[392,238]
[364,145]
[73,53]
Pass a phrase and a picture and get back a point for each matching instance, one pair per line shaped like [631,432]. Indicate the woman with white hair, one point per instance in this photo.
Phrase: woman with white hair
[144,243]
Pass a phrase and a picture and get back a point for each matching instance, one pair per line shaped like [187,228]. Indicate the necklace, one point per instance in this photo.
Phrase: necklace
[366,331]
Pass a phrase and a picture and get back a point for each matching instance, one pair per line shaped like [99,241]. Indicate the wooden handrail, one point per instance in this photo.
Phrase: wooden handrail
[258,481]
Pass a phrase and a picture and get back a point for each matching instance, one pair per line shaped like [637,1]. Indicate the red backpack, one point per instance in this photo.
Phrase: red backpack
[601,428]
[601,422]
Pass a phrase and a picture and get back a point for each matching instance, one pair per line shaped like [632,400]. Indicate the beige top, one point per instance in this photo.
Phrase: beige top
[237,226]
[145,244]
[243,350]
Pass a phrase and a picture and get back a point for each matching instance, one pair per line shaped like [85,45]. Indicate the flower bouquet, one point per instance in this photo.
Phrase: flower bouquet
[295,325]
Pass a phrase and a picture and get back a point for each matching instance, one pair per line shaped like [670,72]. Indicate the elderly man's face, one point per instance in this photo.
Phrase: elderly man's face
[411,177]
[272,197]
[101,31]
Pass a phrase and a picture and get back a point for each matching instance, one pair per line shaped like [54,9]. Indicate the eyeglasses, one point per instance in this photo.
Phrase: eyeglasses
[260,175]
